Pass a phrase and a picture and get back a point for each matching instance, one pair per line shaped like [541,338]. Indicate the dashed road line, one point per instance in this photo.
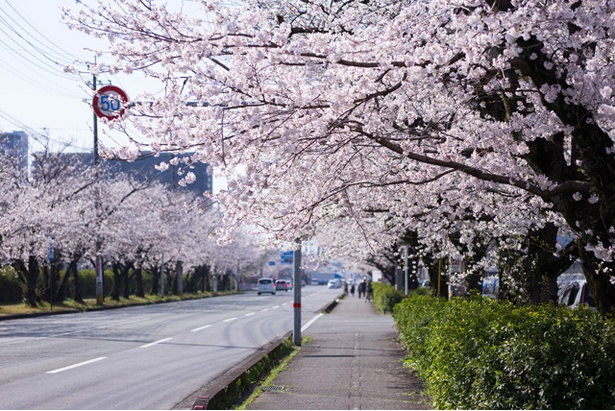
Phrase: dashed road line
[201,328]
[122,323]
[155,342]
[70,367]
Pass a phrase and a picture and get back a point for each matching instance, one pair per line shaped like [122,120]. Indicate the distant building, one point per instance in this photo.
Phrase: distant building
[15,145]
[143,169]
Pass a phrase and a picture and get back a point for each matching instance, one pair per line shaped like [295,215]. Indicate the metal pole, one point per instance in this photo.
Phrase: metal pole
[95,128]
[439,275]
[406,271]
[98,263]
[179,271]
[297,294]
[162,277]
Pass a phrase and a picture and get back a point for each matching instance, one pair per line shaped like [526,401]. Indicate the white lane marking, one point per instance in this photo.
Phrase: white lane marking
[229,319]
[201,328]
[275,306]
[155,342]
[312,321]
[70,367]
[122,323]
[265,309]
[66,333]
[249,314]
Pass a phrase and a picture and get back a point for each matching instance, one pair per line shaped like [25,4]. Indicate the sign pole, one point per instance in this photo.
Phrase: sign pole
[98,260]
[109,102]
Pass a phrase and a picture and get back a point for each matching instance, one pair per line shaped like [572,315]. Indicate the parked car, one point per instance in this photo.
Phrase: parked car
[425,283]
[491,287]
[283,285]
[575,293]
[266,285]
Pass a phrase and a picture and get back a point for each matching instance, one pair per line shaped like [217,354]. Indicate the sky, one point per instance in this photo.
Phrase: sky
[36,95]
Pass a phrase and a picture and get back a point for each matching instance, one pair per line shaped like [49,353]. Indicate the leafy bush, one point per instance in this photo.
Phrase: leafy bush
[88,282]
[386,297]
[10,289]
[485,354]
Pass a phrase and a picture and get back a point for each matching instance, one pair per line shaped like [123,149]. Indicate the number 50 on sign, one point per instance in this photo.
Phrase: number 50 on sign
[110,102]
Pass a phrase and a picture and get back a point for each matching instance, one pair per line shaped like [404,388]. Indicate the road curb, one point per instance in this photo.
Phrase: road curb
[227,388]
[225,391]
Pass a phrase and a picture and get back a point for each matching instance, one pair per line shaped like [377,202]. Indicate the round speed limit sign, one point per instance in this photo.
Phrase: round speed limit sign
[110,102]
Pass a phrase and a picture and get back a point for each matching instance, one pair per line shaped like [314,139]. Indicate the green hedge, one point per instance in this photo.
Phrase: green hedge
[486,354]
[10,289]
[386,296]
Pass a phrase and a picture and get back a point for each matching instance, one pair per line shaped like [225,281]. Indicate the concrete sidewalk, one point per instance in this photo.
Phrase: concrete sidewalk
[352,362]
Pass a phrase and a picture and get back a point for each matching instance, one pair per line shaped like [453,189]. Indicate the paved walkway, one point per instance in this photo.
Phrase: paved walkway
[352,362]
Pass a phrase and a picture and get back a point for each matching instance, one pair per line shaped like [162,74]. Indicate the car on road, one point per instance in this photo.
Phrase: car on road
[335,283]
[266,285]
[283,285]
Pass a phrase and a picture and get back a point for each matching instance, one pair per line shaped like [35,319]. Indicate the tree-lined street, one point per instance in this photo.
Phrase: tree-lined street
[147,357]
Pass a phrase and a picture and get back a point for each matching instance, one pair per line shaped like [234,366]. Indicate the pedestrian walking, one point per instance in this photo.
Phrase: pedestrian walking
[361,289]
[369,292]
[352,290]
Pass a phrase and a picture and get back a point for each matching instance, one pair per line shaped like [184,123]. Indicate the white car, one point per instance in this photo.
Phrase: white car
[266,285]
[336,283]
[575,293]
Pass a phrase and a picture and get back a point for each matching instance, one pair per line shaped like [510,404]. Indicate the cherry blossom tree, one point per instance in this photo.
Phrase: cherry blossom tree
[312,108]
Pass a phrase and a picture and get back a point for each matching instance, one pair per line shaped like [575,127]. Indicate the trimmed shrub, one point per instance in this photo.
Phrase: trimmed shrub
[486,354]
[386,297]
[10,289]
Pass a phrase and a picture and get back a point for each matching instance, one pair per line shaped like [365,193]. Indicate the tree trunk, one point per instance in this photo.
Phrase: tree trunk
[46,286]
[156,281]
[115,290]
[598,275]
[62,283]
[139,290]
[72,268]
[29,276]
[545,265]
[126,280]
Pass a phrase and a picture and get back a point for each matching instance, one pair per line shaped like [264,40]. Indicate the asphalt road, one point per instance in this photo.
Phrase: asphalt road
[146,357]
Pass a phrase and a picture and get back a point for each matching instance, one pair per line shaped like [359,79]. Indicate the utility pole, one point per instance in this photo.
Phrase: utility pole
[162,277]
[95,125]
[297,294]
[406,271]
[179,272]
